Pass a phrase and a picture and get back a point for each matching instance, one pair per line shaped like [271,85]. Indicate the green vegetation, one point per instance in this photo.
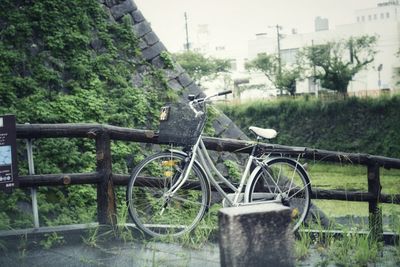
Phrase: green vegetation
[350,125]
[348,249]
[51,240]
[353,178]
[72,65]
[199,67]
[278,73]
[330,63]
[333,65]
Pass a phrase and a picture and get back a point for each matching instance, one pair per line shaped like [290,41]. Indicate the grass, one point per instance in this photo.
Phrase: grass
[350,177]
[350,249]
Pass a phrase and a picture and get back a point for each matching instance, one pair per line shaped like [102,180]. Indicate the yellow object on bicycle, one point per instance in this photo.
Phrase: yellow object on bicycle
[295,213]
[168,163]
[168,173]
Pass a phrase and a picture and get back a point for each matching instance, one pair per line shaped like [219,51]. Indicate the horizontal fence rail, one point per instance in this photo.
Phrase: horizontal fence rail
[32,131]
[105,179]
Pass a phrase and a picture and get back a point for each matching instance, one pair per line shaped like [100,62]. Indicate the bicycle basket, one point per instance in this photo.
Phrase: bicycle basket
[179,125]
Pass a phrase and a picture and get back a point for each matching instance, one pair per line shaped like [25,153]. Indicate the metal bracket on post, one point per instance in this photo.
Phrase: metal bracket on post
[31,170]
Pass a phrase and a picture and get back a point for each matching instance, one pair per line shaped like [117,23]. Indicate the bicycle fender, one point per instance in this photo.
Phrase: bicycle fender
[177,151]
[249,182]
[299,165]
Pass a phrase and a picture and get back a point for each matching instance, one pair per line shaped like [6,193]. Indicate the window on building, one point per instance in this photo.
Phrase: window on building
[382,16]
[369,17]
[362,18]
[375,17]
[387,15]
[288,56]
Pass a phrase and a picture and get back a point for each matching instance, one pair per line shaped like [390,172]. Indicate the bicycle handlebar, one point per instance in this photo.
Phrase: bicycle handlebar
[204,100]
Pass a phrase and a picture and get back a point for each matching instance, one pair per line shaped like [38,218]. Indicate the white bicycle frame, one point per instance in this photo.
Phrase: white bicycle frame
[199,150]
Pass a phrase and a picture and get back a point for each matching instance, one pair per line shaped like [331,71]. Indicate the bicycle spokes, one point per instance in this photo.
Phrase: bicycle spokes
[155,207]
[282,180]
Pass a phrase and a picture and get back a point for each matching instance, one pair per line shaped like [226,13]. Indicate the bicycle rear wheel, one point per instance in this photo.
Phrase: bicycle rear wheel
[285,178]
[153,209]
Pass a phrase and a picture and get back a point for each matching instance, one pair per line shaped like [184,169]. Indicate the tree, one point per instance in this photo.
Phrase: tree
[288,79]
[200,67]
[336,63]
[283,78]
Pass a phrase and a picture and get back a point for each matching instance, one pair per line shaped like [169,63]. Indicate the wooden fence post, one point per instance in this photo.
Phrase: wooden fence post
[106,202]
[375,213]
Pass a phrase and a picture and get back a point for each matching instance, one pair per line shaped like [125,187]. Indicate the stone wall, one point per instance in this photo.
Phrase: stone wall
[152,48]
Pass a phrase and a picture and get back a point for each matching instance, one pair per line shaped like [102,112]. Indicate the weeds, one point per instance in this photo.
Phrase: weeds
[200,235]
[396,252]
[122,231]
[3,246]
[23,244]
[52,240]
[92,238]
[349,250]
[302,244]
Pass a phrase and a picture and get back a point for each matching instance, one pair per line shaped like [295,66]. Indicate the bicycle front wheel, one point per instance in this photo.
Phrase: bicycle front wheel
[284,179]
[151,206]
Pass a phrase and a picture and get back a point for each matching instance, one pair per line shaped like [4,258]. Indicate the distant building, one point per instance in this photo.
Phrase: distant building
[321,24]
[382,20]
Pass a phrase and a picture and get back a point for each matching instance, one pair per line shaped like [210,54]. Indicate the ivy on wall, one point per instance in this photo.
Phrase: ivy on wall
[70,62]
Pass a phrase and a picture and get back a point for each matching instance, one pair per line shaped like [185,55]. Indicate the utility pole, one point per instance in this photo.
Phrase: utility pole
[278,38]
[187,33]
[379,75]
[314,70]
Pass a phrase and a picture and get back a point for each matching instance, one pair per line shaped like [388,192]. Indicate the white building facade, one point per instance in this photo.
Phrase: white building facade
[382,21]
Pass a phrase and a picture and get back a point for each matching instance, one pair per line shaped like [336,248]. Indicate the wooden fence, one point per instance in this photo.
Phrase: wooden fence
[105,179]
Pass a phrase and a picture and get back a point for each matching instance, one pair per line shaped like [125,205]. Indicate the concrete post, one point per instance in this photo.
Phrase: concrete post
[256,235]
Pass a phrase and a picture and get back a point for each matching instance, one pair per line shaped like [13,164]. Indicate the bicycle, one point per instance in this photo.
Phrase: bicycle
[169,192]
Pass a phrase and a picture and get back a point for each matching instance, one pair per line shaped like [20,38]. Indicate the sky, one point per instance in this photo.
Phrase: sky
[233,22]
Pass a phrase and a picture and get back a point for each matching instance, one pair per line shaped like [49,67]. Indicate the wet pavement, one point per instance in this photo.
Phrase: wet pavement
[92,245]
[122,254]
[132,254]
[89,246]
